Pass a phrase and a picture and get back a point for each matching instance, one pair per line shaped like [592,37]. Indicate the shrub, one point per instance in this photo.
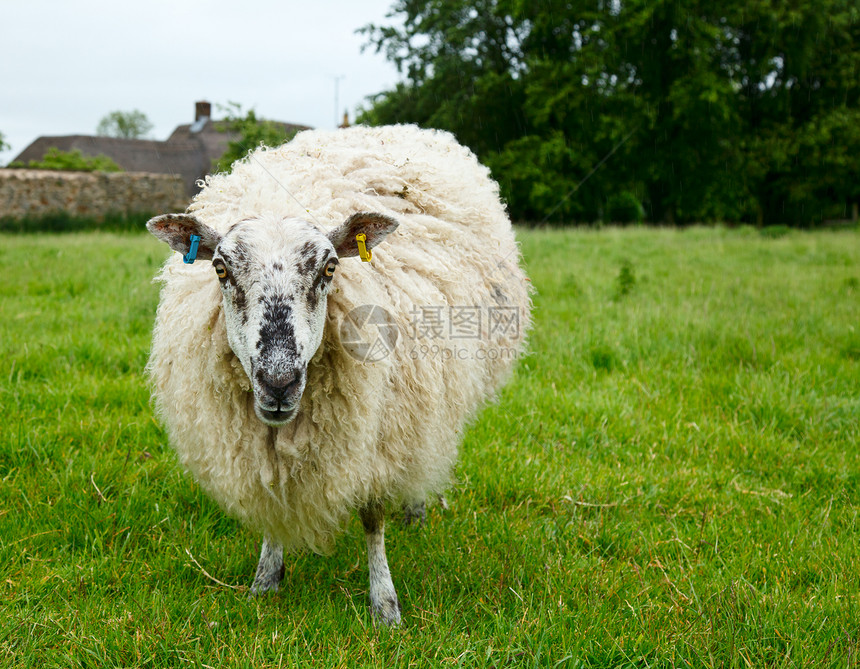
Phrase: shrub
[253,133]
[624,207]
[61,221]
[71,161]
[775,231]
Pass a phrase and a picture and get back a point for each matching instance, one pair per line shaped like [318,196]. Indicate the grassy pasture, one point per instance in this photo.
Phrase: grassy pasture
[671,479]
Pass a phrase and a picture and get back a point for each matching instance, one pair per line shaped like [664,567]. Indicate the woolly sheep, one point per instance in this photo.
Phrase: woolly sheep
[270,398]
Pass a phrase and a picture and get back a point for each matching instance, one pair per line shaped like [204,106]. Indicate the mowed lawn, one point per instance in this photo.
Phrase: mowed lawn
[670,479]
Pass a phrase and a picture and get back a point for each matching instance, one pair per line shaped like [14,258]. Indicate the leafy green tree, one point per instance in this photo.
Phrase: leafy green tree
[250,132]
[802,96]
[666,71]
[460,60]
[738,110]
[543,91]
[71,161]
[128,125]
[3,143]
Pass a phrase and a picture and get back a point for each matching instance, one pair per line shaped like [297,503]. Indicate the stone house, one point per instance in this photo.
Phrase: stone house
[189,152]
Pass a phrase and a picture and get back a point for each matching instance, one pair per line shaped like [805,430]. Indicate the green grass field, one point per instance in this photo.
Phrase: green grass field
[671,478]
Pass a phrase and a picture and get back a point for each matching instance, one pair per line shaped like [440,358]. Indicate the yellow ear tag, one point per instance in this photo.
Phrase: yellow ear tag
[366,256]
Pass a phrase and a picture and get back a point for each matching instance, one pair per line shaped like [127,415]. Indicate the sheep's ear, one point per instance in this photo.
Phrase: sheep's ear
[375,227]
[176,230]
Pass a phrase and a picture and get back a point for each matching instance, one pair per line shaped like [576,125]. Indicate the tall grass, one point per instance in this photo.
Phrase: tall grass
[671,478]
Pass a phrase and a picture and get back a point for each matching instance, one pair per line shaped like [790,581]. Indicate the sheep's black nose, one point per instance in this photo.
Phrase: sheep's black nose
[279,385]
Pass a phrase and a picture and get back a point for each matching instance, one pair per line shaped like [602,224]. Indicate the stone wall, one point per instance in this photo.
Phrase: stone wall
[91,195]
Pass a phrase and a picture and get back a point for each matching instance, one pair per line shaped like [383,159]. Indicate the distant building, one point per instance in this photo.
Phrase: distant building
[190,150]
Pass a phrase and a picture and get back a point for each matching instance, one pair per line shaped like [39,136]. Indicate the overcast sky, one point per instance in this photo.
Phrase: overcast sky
[67,63]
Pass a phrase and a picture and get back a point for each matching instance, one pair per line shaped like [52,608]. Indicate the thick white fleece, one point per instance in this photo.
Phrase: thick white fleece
[386,430]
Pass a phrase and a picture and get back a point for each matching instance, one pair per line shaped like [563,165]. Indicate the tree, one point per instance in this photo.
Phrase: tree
[128,125]
[801,97]
[460,59]
[738,110]
[251,133]
[3,144]
[544,91]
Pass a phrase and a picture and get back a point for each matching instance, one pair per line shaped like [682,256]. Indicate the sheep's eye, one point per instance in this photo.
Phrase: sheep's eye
[220,271]
[330,267]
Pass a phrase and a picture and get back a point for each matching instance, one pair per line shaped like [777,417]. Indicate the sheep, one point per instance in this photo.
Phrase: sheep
[261,363]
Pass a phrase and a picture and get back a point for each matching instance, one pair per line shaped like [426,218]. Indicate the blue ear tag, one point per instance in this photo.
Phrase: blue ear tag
[191,256]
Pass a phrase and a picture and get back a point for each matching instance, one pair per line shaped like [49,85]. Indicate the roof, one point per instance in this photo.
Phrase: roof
[188,153]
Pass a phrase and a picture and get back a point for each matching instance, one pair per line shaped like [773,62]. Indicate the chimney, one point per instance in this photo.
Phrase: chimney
[202,109]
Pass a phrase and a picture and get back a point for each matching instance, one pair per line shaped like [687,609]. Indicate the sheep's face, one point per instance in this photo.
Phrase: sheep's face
[274,277]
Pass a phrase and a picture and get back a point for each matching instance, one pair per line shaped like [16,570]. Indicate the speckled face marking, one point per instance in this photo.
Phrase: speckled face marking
[275,275]
[274,286]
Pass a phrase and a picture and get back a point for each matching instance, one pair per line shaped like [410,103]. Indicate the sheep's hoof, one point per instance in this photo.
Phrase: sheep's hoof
[386,611]
[414,514]
[260,589]
[266,583]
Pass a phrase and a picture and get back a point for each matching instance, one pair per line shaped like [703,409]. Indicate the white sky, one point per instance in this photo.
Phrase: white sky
[67,63]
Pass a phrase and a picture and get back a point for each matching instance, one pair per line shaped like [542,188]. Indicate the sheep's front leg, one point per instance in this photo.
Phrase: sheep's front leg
[270,569]
[383,598]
